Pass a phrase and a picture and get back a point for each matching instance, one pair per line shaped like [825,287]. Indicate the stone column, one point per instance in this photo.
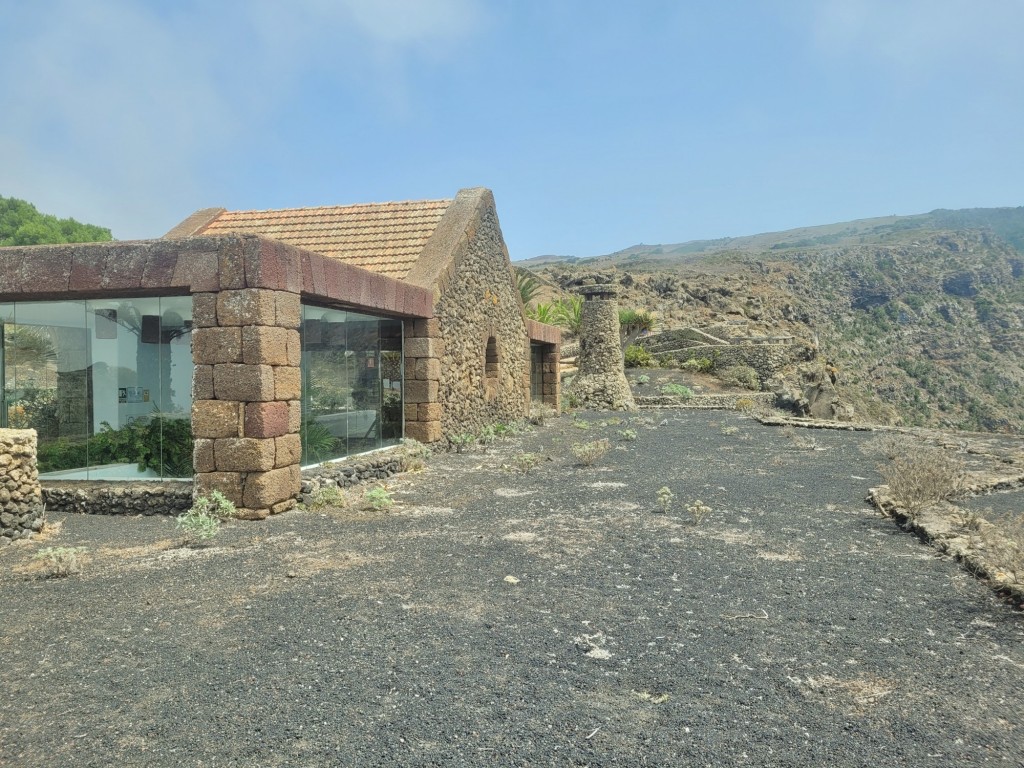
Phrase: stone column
[423,348]
[600,382]
[246,390]
[21,499]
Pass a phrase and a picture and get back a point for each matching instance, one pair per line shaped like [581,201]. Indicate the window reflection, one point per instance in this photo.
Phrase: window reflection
[106,384]
[351,374]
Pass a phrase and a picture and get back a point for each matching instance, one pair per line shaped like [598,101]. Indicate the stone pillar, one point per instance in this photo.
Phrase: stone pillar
[552,379]
[21,499]
[423,348]
[246,391]
[600,383]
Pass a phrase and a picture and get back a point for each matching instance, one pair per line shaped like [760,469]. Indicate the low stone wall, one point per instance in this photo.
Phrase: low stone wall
[356,471]
[766,359]
[96,498]
[724,401]
[21,503]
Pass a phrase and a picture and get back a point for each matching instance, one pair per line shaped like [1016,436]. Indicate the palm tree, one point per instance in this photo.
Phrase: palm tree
[529,286]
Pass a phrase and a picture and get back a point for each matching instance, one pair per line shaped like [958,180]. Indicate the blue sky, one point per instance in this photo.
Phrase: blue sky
[597,124]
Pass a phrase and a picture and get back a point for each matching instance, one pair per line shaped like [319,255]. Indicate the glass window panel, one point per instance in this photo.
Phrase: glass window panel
[48,382]
[364,348]
[391,372]
[326,394]
[105,383]
[351,383]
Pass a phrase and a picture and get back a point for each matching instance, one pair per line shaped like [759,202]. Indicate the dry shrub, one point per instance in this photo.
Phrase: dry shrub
[588,453]
[1004,544]
[923,478]
[890,445]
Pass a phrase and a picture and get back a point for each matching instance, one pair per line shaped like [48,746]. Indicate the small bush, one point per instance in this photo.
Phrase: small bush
[327,496]
[461,441]
[414,455]
[527,462]
[698,510]
[697,365]
[745,404]
[379,499]
[198,527]
[890,445]
[665,499]
[740,376]
[60,562]
[923,478]
[677,390]
[642,379]
[731,429]
[203,519]
[588,453]
[638,357]
[540,413]
[628,434]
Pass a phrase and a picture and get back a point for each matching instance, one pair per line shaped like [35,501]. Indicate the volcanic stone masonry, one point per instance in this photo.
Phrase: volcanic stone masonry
[21,500]
[601,380]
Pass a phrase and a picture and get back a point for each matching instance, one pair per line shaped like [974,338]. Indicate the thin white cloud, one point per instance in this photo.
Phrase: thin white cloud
[114,111]
[916,36]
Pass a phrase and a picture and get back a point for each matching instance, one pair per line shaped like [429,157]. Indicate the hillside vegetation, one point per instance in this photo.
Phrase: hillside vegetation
[906,320]
[22,224]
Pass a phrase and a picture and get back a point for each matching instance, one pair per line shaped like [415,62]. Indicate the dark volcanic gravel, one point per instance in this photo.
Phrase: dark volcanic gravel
[791,627]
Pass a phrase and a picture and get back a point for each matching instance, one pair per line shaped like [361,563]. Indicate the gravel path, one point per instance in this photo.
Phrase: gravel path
[553,618]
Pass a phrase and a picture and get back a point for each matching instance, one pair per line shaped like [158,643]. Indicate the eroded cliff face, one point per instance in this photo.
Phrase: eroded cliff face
[927,332]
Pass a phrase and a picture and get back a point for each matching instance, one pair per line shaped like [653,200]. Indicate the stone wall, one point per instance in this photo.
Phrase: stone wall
[93,498]
[765,358]
[354,471]
[21,501]
[470,362]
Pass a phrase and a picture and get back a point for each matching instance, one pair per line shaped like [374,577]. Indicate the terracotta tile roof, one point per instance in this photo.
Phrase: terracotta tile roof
[382,237]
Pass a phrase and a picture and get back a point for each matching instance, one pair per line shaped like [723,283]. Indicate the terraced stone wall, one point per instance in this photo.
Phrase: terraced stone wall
[21,500]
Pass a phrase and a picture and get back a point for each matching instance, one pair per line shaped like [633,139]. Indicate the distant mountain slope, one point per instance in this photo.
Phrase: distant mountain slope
[909,320]
[1005,223]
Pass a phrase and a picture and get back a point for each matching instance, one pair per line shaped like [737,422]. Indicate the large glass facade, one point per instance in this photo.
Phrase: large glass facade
[351,383]
[106,384]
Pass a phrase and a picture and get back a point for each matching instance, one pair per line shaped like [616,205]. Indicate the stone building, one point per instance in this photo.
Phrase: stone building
[243,345]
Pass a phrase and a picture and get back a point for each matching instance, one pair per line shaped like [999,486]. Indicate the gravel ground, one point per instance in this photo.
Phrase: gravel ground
[552,618]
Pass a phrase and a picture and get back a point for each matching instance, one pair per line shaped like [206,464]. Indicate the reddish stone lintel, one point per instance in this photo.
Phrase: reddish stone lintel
[542,332]
[334,280]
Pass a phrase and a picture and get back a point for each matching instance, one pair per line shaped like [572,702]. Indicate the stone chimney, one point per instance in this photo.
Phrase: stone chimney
[600,382]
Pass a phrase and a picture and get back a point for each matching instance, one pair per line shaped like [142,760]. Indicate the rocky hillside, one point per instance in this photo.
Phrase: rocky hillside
[916,322]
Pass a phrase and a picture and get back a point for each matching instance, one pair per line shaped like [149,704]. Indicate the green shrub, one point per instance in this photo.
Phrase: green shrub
[677,390]
[638,357]
[203,519]
[327,496]
[628,434]
[379,499]
[526,462]
[740,376]
[159,442]
[643,379]
[318,444]
[697,365]
[461,441]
